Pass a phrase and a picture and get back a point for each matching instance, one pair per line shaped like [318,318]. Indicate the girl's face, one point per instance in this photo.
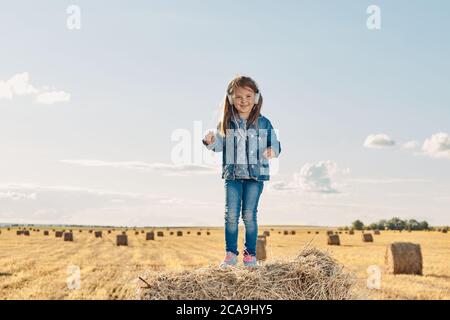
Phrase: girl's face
[244,100]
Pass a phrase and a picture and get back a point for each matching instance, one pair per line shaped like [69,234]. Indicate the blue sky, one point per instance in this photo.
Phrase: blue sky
[100,152]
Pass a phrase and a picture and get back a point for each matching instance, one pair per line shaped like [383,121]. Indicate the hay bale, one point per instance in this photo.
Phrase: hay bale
[19,232]
[285,232]
[142,231]
[124,233]
[208,233]
[266,233]
[160,234]
[58,234]
[122,240]
[262,238]
[199,233]
[26,233]
[351,232]
[293,232]
[367,237]
[377,232]
[136,233]
[109,231]
[313,274]
[68,236]
[333,240]
[261,253]
[179,233]
[90,231]
[150,236]
[309,232]
[188,232]
[46,233]
[171,233]
[80,230]
[330,232]
[444,230]
[404,258]
[98,234]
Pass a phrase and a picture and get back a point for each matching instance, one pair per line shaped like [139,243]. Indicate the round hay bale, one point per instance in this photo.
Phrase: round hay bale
[68,236]
[377,232]
[124,233]
[188,232]
[109,231]
[19,232]
[136,233]
[179,233]
[58,234]
[90,231]
[142,231]
[199,233]
[150,236]
[98,234]
[160,234]
[122,240]
[333,240]
[261,253]
[317,232]
[266,233]
[351,232]
[404,258]
[171,233]
[80,231]
[26,233]
[292,232]
[330,232]
[285,232]
[367,237]
[444,230]
[309,232]
[46,233]
[262,238]
[208,233]
[312,275]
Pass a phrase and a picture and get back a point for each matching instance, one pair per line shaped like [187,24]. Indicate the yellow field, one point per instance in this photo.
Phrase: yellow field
[36,267]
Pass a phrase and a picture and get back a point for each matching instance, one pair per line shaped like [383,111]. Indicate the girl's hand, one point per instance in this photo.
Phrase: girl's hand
[269,153]
[209,138]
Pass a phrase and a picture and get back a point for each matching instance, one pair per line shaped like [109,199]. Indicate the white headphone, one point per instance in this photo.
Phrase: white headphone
[257,96]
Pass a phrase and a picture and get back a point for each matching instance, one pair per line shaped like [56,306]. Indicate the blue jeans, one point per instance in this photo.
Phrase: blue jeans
[242,193]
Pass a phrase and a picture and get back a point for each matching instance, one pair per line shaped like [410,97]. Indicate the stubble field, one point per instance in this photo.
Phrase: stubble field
[38,266]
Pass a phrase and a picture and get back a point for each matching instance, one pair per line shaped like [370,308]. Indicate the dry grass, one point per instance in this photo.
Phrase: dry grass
[35,267]
[312,275]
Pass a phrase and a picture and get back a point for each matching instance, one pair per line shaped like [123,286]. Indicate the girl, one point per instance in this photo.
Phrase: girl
[247,142]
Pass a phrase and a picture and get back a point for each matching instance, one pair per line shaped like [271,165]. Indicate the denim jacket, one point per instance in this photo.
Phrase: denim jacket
[258,138]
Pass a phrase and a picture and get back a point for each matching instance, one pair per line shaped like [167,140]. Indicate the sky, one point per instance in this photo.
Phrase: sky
[103,107]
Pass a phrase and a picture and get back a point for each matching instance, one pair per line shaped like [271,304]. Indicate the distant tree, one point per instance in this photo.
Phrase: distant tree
[373,226]
[358,225]
[424,225]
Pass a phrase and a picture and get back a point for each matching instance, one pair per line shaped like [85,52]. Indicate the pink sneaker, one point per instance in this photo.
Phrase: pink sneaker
[230,260]
[249,260]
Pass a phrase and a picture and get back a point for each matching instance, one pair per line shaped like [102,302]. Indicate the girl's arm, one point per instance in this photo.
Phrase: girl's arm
[213,141]
[273,142]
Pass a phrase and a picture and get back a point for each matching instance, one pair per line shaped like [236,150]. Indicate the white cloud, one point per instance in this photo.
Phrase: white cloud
[319,177]
[168,169]
[19,85]
[17,195]
[379,140]
[52,97]
[410,144]
[437,146]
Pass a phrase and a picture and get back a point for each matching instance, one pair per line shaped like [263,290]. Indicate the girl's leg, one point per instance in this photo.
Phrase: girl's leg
[233,199]
[250,198]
